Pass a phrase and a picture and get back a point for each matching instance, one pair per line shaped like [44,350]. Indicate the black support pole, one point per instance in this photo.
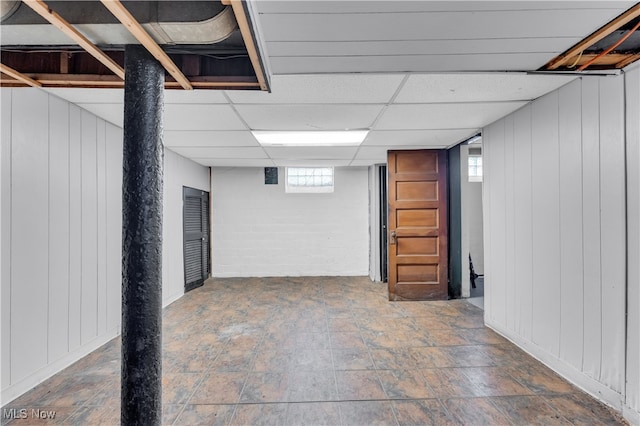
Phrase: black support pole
[141,388]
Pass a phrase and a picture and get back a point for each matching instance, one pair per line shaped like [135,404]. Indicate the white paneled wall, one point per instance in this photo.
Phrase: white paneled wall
[259,230]
[61,227]
[178,172]
[632,405]
[555,232]
[61,235]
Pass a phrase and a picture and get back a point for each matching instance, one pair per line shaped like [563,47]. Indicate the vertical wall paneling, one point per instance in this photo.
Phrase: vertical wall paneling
[570,233]
[571,303]
[487,221]
[89,324]
[113,158]
[101,176]
[58,320]
[591,225]
[612,207]
[498,211]
[61,225]
[511,288]
[633,231]
[75,226]
[29,239]
[546,223]
[523,233]
[5,235]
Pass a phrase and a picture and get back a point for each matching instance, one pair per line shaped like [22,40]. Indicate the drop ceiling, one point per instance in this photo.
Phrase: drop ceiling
[418,74]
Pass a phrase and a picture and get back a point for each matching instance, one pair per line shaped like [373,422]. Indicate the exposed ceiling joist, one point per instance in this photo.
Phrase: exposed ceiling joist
[134,27]
[19,76]
[43,10]
[574,54]
[245,30]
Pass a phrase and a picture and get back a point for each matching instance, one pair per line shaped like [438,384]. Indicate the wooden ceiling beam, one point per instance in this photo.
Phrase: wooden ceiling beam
[245,30]
[610,27]
[19,76]
[59,22]
[134,27]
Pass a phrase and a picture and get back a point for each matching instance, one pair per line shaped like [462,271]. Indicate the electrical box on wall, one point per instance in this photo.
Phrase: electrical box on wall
[270,175]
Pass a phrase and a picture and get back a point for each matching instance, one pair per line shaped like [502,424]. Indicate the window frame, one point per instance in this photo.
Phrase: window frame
[309,189]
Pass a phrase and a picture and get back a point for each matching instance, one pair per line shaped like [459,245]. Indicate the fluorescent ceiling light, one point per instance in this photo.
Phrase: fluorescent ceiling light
[310,138]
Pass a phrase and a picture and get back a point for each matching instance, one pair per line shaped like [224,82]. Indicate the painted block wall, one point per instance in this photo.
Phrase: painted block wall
[632,397]
[178,172]
[61,221]
[554,212]
[61,228]
[259,230]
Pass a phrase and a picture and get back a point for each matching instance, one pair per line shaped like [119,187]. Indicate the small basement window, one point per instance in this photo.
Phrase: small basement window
[309,179]
[475,168]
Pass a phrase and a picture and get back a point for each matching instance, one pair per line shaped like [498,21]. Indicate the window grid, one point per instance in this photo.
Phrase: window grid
[475,168]
[309,179]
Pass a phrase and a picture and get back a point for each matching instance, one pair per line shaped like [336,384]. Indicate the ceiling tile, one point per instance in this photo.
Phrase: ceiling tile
[311,163]
[194,97]
[229,138]
[478,87]
[438,25]
[316,152]
[309,117]
[317,89]
[379,153]
[234,162]
[412,63]
[444,116]
[201,117]
[417,137]
[218,152]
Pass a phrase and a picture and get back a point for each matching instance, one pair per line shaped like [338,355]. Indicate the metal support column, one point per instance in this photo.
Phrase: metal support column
[141,394]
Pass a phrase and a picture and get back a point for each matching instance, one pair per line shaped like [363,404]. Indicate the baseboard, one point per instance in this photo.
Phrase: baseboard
[576,377]
[16,389]
[631,415]
[169,300]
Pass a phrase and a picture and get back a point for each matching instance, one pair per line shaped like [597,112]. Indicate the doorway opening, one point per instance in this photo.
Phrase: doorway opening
[196,237]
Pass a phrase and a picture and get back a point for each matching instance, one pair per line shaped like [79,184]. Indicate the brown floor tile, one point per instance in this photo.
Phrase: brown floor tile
[260,414]
[178,387]
[219,388]
[313,414]
[420,412]
[312,386]
[404,384]
[312,360]
[392,359]
[494,381]
[324,350]
[205,415]
[365,413]
[352,359]
[580,409]
[265,387]
[358,385]
[529,410]
[431,357]
[475,411]
[540,379]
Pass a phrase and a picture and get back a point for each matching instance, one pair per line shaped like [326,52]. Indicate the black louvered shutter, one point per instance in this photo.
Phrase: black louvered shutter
[196,237]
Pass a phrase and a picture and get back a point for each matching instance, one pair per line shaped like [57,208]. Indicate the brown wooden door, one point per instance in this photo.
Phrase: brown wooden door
[417,238]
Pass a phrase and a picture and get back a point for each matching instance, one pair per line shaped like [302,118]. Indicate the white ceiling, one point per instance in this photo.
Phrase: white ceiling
[418,74]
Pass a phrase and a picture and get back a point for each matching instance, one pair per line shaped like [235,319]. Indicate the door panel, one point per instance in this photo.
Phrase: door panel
[417,225]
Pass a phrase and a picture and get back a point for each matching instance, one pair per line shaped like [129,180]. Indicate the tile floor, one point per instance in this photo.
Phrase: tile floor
[324,351]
